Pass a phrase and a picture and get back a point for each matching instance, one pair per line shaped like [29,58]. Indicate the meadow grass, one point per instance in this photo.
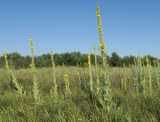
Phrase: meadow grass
[127,103]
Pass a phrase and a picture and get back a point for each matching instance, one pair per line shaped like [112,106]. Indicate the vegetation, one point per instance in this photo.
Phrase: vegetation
[95,92]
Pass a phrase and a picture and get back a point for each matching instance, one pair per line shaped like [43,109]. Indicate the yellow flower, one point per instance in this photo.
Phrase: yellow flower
[89,59]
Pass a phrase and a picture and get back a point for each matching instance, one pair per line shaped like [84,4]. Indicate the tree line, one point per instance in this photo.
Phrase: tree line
[17,61]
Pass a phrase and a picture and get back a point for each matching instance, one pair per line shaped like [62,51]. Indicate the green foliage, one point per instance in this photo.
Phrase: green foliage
[70,59]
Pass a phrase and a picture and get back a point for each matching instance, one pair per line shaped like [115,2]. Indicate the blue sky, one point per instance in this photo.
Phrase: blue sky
[130,27]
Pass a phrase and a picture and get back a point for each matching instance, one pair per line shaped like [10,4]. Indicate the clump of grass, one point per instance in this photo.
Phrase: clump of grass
[36,93]
[14,80]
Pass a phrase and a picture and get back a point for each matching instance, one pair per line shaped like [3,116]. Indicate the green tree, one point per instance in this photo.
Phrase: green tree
[115,60]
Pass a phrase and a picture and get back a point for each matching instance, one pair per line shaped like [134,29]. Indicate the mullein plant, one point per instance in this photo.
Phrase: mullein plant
[141,75]
[54,90]
[79,79]
[90,73]
[105,84]
[157,74]
[67,85]
[35,90]
[124,82]
[149,72]
[147,79]
[96,71]
[138,78]
[14,80]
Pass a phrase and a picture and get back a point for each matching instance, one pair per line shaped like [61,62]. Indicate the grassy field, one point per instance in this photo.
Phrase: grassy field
[80,105]
[96,93]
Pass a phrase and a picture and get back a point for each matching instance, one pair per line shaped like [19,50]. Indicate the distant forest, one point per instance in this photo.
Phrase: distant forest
[18,61]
